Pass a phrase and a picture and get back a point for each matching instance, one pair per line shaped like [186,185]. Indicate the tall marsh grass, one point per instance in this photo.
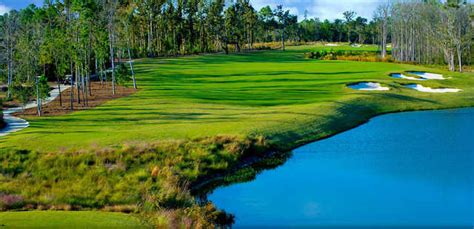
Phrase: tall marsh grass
[146,178]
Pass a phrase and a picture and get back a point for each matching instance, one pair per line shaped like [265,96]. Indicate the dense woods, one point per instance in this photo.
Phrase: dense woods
[430,32]
[83,40]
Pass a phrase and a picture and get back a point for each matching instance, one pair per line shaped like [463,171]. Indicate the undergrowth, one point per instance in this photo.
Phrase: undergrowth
[152,180]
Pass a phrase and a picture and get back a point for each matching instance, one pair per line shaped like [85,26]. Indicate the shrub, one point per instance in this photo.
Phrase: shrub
[153,177]
[43,87]
[22,93]
[11,201]
[309,55]
[122,75]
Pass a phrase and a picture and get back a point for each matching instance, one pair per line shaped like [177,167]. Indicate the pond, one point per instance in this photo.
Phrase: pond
[404,169]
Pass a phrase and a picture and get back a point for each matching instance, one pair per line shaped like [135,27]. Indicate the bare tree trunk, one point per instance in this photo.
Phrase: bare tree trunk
[101,72]
[83,86]
[459,51]
[349,36]
[449,55]
[78,85]
[283,39]
[112,62]
[150,33]
[72,89]
[131,67]
[38,100]
[384,38]
[59,90]
[111,42]
[9,84]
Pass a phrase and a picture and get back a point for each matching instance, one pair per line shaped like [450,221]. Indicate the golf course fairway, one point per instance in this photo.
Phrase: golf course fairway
[196,116]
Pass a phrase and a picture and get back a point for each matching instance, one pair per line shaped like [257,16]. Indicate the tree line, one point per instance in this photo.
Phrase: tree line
[84,38]
[81,38]
[428,31]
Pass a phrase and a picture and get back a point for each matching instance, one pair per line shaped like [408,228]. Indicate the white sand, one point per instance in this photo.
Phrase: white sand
[422,88]
[331,45]
[368,86]
[428,76]
[15,124]
[356,45]
[401,76]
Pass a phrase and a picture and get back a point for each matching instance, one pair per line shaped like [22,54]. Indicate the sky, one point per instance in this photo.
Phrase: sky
[323,9]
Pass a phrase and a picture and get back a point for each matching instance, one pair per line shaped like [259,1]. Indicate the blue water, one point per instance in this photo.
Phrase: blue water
[406,169]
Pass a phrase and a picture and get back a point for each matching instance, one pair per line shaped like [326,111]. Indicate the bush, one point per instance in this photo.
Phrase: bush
[43,87]
[11,201]
[131,178]
[309,55]
[122,75]
[22,93]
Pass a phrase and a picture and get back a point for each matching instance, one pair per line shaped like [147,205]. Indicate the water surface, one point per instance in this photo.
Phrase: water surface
[406,169]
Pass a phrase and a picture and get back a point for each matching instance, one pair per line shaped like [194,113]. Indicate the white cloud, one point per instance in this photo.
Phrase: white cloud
[4,9]
[287,5]
[330,9]
[323,9]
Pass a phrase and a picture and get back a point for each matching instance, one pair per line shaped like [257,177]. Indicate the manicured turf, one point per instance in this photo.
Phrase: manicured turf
[69,219]
[277,94]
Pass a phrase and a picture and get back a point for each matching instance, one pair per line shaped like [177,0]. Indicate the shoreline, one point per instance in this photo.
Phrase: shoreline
[216,180]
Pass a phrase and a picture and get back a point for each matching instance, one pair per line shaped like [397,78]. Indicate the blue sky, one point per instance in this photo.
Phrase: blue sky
[324,9]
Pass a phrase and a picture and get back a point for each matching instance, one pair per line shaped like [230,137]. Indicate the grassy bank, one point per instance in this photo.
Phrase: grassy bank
[57,219]
[195,117]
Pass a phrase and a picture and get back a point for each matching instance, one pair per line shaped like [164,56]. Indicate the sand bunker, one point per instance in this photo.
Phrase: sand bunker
[428,76]
[422,88]
[402,76]
[331,45]
[368,86]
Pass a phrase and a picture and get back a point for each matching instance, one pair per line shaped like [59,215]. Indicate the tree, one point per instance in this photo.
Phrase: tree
[111,28]
[283,20]
[268,22]
[216,24]
[10,28]
[431,32]
[349,16]
[22,93]
[126,17]
[360,24]
[41,92]
[382,17]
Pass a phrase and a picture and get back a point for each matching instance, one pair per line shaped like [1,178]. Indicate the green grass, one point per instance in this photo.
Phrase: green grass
[342,46]
[271,93]
[71,219]
[279,95]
